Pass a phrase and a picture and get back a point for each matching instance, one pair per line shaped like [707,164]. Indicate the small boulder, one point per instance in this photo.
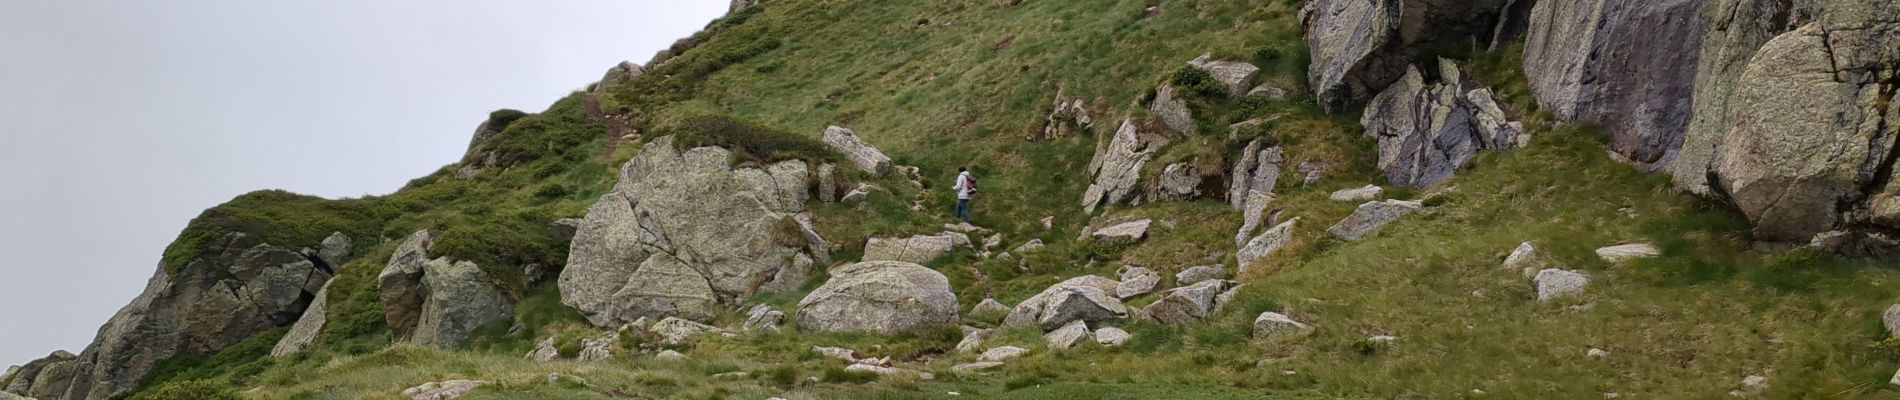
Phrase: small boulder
[669,355]
[1554,283]
[1189,304]
[989,310]
[1235,75]
[1371,217]
[1596,353]
[1068,335]
[1270,325]
[1031,245]
[1003,353]
[444,390]
[976,366]
[598,349]
[1172,109]
[1891,320]
[1266,244]
[1111,336]
[972,339]
[1136,281]
[1084,298]
[544,351]
[848,355]
[827,183]
[762,318]
[858,194]
[1200,274]
[880,297]
[1625,252]
[889,371]
[861,154]
[674,330]
[1129,232]
[1521,257]
[1367,192]
[915,249]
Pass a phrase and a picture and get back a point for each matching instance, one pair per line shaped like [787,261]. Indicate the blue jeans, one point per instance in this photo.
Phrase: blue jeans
[963,209]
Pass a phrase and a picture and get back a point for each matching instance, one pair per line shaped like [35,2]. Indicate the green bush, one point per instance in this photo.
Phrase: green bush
[750,143]
[193,390]
[1194,80]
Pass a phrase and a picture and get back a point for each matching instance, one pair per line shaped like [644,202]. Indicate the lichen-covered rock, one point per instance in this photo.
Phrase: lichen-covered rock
[1200,274]
[1428,130]
[1254,178]
[1173,110]
[436,302]
[861,154]
[1735,30]
[1360,46]
[1068,335]
[1235,75]
[1554,283]
[1117,166]
[1628,66]
[1264,245]
[1521,258]
[1111,336]
[1270,325]
[444,390]
[1367,192]
[620,74]
[1372,216]
[1626,252]
[763,319]
[989,309]
[1001,353]
[304,331]
[1178,182]
[1126,232]
[544,351]
[1085,298]
[23,378]
[1189,304]
[598,349]
[1136,281]
[1067,116]
[880,297]
[684,232]
[920,249]
[675,330]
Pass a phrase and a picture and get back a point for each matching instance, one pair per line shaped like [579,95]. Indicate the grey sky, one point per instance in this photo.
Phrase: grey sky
[120,120]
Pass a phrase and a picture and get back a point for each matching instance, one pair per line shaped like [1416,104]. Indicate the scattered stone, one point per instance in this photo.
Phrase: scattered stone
[556,378]
[989,309]
[1270,325]
[673,330]
[1128,232]
[1179,181]
[1427,131]
[1066,116]
[1031,245]
[1184,305]
[669,355]
[1266,244]
[1754,384]
[1084,298]
[972,339]
[1521,257]
[598,349]
[1003,353]
[1251,191]
[1136,281]
[1372,216]
[915,249]
[1068,335]
[976,366]
[880,297]
[848,355]
[1383,339]
[827,183]
[889,371]
[1314,171]
[1173,110]
[1111,336]
[1367,192]
[1596,353]
[1891,320]
[861,154]
[858,194]
[992,242]
[444,390]
[1271,92]
[1200,274]
[1048,222]
[732,376]
[544,351]
[1625,252]
[762,318]
[1554,283]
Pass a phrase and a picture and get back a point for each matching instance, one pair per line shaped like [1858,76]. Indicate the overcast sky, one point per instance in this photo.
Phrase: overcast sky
[121,120]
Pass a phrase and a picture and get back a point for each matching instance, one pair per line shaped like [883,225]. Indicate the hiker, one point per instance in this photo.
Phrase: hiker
[966,186]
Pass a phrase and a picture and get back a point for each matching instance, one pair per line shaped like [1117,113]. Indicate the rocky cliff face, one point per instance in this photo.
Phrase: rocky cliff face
[1361,46]
[236,288]
[1626,65]
[685,232]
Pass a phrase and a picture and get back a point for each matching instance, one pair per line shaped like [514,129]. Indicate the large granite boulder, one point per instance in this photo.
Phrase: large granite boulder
[1427,131]
[235,287]
[436,302]
[861,154]
[1117,166]
[880,297]
[1628,66]
[1361,46]
[1735,30]
[684,232]
[1086,298]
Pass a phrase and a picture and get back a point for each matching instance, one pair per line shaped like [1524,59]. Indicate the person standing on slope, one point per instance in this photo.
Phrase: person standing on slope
[965,186]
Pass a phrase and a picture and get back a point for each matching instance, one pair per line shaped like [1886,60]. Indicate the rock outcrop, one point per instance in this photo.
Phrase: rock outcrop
[620,74]
[861,154]
[1179,181]
[683,232]
[1236,76]
[1628,66]
[1173,111]
[880,297]
[1264,245]
[1427,131]
[437,302]
[1361,46]
[1251,191]
[1117,166]
[1126,232]
[920,249]
[236,287]
[1188,304]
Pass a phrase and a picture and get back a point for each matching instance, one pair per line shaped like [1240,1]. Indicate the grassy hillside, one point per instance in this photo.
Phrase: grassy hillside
[943,84]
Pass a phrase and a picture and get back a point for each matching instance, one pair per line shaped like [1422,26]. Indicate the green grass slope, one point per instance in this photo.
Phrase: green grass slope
[943,84]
